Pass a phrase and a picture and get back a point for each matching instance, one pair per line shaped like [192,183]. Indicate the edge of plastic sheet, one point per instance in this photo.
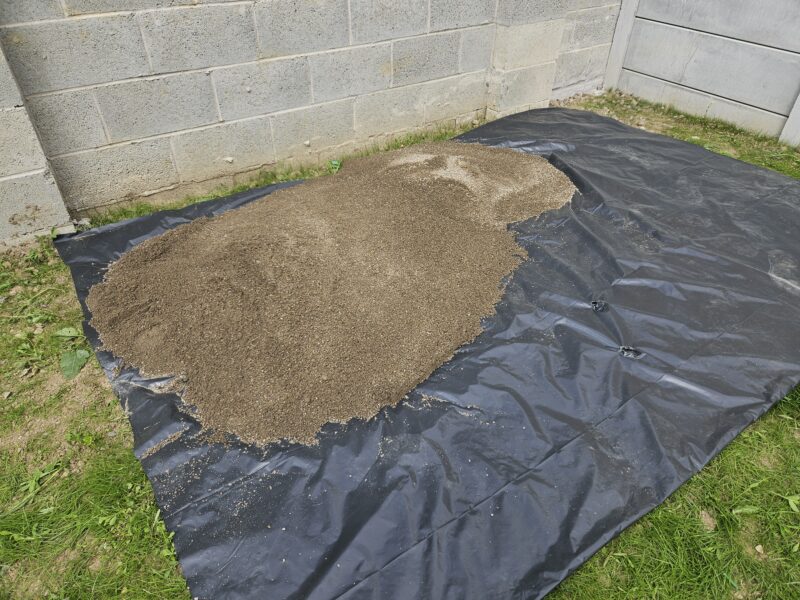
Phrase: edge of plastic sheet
[656,317]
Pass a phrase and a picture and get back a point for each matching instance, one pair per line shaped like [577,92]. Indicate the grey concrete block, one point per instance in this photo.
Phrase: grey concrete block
[476,48]
[83,7]
[493,113]
[581,4]
[24,11]
[454,14]
[756,75]
[145,107]
[199,36]
[306,131]
[581,65]
[291,27]
[424,58]
[223,149]
[99,177]
[518,12]
[86,7]
[523,87]
[590,27]
[454,96]
[521,46]
[19,147]
[263,87]
[67,121]
[390,110]
[376,20]
[351,72]
[589,86]
[9,92]
[30,203]
[410,107]
[54,55]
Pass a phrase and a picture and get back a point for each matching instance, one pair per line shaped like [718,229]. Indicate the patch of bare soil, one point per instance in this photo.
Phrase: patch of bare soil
[332,299]
[65,400]
[708,521]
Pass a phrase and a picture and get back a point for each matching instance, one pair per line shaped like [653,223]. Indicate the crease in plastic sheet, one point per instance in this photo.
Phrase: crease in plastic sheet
[657,315]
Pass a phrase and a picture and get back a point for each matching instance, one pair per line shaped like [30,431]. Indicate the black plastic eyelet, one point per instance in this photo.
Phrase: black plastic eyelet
[599,306]
[630,352]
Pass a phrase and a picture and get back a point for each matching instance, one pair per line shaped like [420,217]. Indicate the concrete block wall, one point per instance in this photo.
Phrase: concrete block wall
[585,45]
[163,98]
[30,201]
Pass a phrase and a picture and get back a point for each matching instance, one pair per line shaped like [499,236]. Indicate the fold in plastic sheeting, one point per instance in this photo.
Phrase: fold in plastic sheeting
[658,315]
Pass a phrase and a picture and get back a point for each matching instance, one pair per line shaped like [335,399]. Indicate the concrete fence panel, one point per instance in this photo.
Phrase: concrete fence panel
[755,75]
[735,60]
[775,23]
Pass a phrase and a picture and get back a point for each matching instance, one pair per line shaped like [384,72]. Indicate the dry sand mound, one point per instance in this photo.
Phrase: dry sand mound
[331,299]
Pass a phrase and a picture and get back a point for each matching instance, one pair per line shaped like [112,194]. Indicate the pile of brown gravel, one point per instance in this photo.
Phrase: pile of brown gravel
[331,299]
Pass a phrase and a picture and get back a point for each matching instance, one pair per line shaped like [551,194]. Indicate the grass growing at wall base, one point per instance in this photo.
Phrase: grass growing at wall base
[78,518]
[712,134]
[138,209]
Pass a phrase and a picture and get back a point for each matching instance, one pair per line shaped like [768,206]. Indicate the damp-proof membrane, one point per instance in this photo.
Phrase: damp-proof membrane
[658,315]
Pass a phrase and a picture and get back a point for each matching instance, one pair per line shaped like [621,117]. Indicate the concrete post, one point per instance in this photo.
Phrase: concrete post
[791,129]
[619,45]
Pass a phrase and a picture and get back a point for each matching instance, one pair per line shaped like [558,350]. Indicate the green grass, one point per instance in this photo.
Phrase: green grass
[731,532]
[717,136]
[77,515]
[78,518]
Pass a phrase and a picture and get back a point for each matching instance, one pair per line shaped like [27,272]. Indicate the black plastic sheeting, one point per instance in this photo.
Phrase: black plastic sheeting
[657,316]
